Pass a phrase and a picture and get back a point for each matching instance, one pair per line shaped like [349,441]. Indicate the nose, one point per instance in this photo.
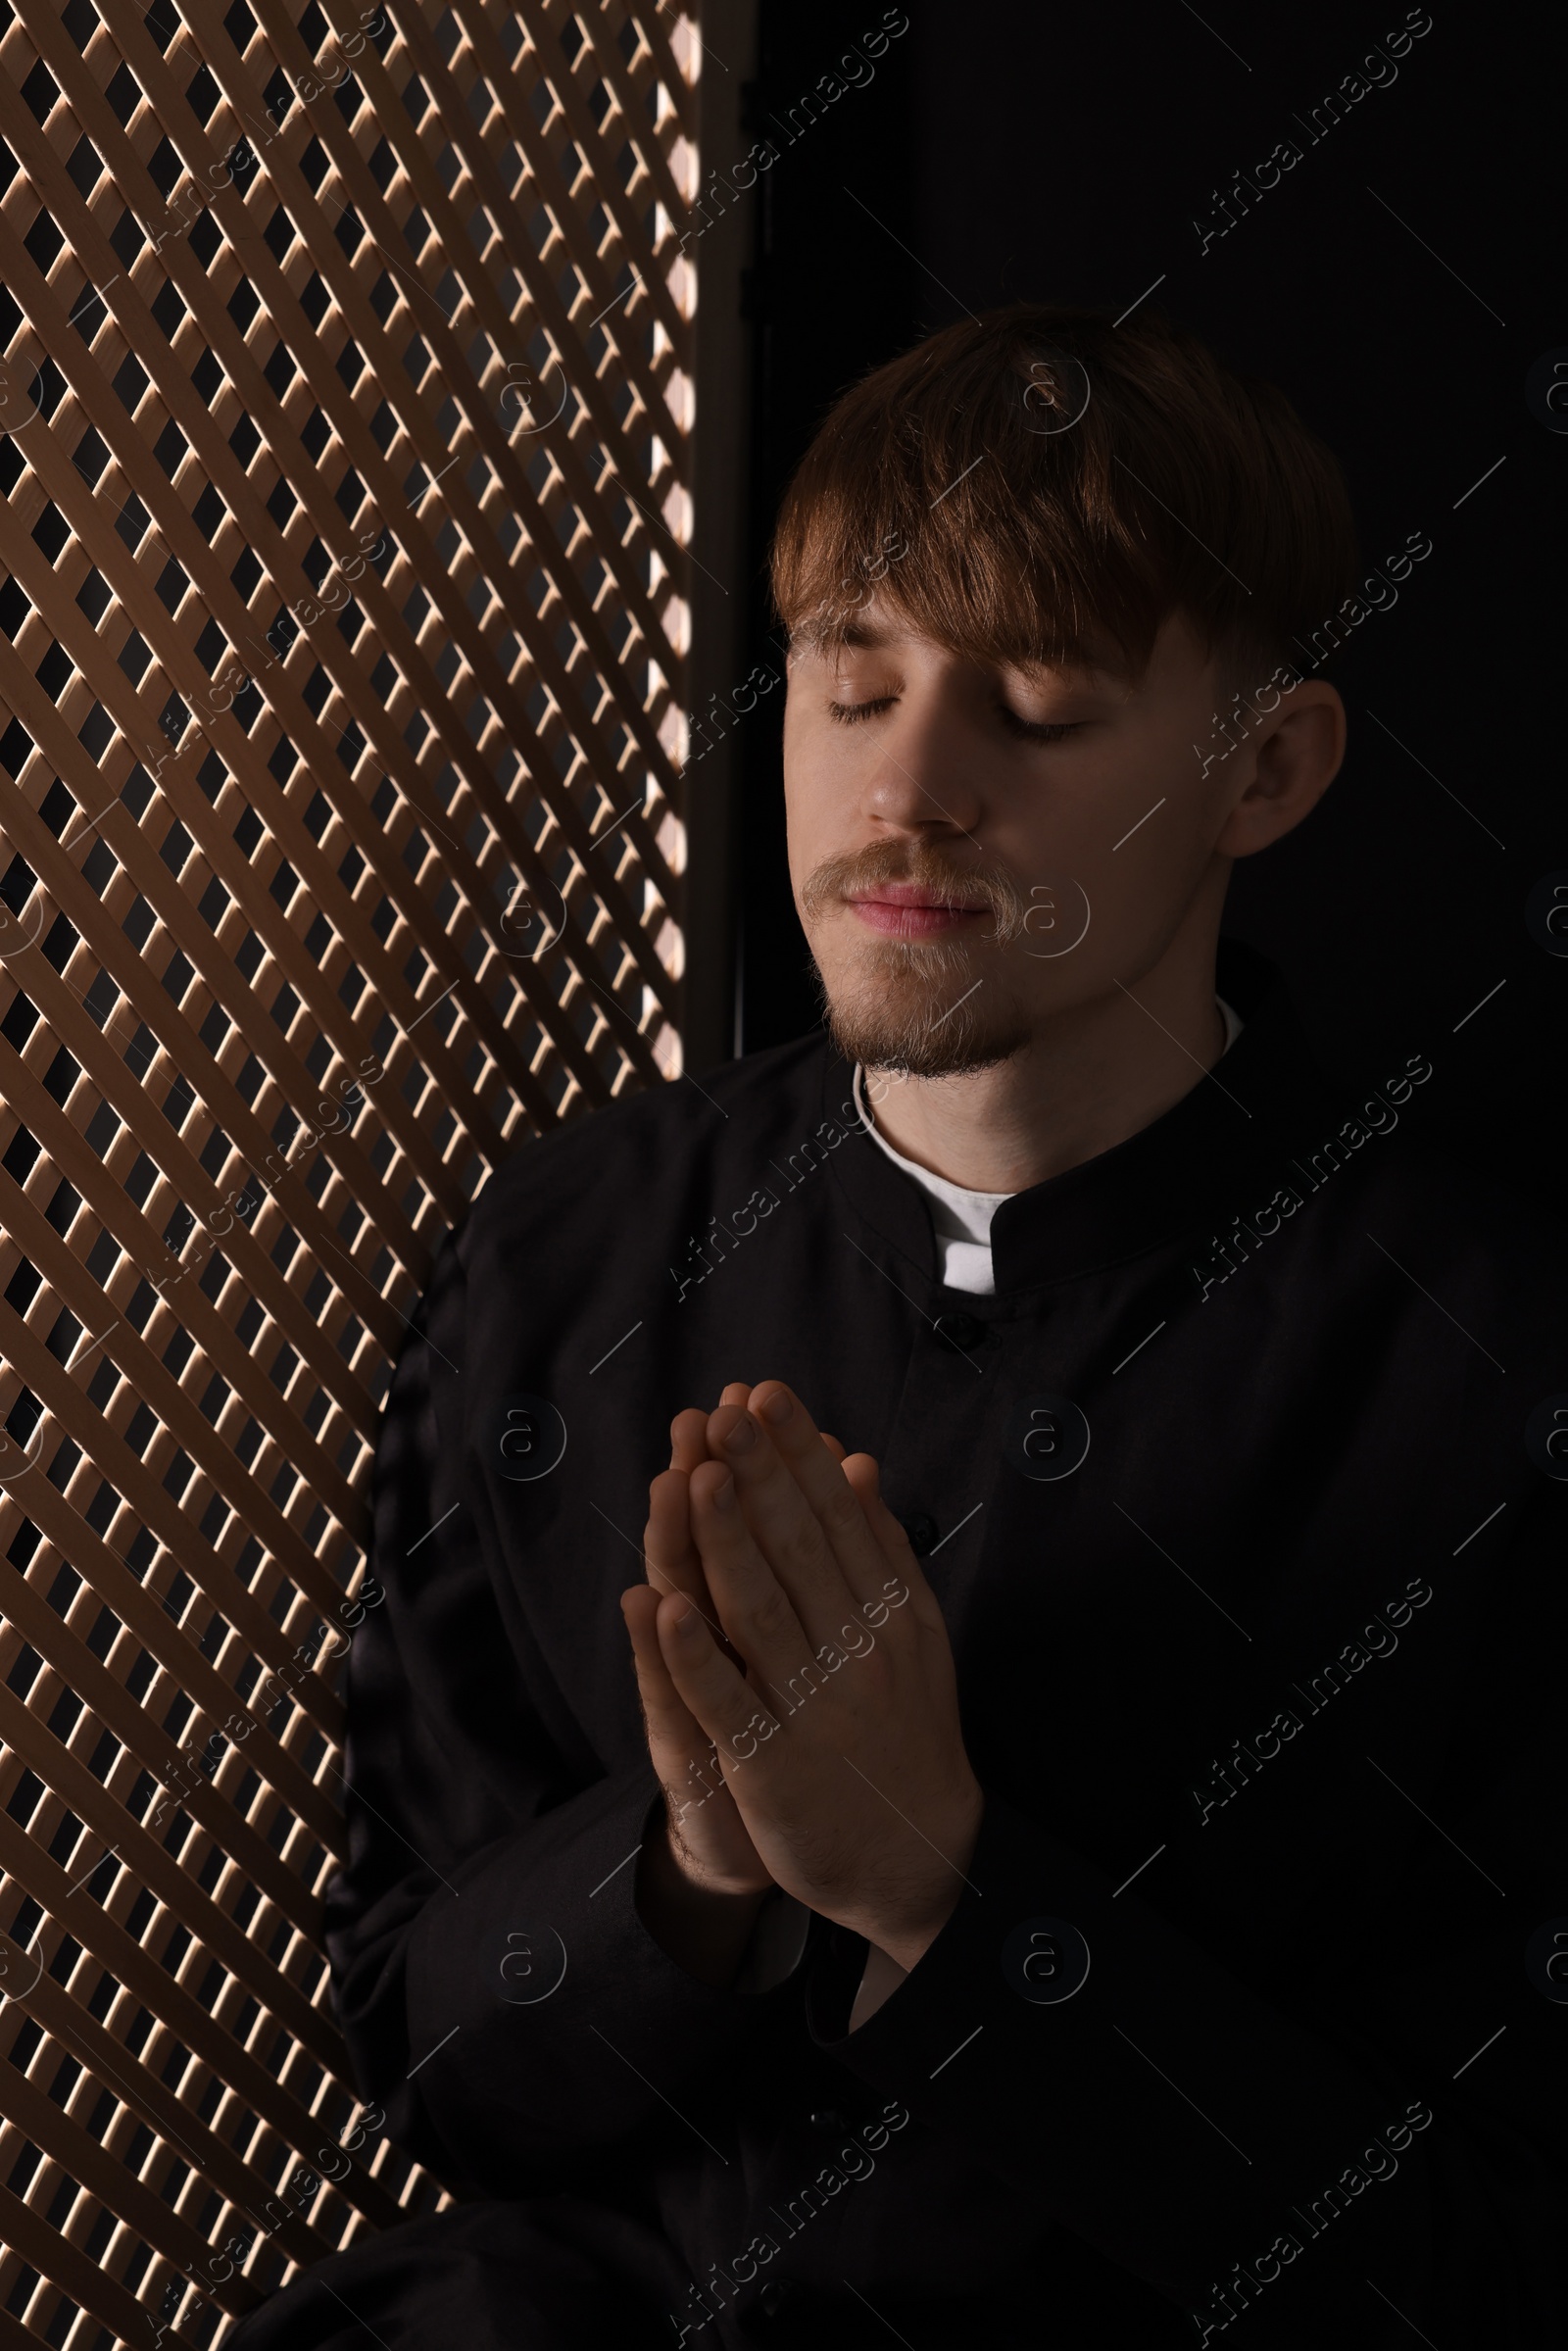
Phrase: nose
[919,783]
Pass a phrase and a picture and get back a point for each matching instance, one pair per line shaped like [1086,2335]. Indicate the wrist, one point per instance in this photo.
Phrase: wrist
[908,1946]
[674,1859]
[907,1932]
[702,1924]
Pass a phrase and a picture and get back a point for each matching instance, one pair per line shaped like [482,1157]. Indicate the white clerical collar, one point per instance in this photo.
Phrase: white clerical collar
[961,1218]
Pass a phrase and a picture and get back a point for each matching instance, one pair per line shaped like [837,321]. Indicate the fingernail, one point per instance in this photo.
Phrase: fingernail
[777,1408]
[686,1627]
[742,1436]
[724,1495]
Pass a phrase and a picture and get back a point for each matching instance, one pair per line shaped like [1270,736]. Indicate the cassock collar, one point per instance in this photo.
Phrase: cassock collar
[1199,1160]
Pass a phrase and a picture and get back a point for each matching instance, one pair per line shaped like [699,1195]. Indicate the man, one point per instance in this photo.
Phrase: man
[1070,1857]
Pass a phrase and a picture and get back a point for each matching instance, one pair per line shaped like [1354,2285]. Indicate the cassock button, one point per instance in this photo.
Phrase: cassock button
[921,1529]
[770,2297]
[960,1330]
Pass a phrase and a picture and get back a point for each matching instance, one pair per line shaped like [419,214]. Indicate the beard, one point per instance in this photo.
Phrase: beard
[925,1007]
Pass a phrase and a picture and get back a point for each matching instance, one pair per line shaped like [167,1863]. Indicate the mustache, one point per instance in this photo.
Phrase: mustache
[985,883]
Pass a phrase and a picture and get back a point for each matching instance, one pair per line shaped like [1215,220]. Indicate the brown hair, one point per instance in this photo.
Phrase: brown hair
[1024,480]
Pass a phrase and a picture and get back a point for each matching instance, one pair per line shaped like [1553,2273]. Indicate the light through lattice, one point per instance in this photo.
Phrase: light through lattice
[344,421]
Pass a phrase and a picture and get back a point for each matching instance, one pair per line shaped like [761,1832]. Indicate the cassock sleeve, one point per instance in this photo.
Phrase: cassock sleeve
[498,1991]
[1372,2142]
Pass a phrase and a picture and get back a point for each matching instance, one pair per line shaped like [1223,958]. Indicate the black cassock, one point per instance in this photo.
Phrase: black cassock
[1243,1498]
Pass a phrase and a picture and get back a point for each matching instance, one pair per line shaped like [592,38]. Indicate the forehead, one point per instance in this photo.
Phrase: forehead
[1179,660]
[877,628]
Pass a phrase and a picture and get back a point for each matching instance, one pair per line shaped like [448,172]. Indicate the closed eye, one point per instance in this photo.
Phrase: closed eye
[1036,731]
[1027,730]
[849,713]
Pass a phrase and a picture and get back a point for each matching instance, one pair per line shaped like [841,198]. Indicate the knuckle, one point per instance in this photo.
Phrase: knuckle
[878,1676]
[769,1614]
[841,1507]
[667,1747]
[800,1552]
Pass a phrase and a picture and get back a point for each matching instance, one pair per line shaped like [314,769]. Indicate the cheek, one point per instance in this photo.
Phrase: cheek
[820,753]
[821,801]
[1113,856]
[802,760]
[803,844]
[793,715]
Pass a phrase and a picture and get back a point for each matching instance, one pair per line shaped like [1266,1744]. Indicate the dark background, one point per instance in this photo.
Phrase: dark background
[1011,150]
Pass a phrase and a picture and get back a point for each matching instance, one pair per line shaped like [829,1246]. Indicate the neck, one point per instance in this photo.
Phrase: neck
[1090,1077]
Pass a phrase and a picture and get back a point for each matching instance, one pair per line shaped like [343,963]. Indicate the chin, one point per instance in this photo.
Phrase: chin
[913,1016]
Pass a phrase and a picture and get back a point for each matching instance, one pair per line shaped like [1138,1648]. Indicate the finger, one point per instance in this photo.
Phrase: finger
[829,1497]
[860,1470]
[667,1552]
[672,1730]
[688,1430]
[684,1757]
[688,1439]
[713,1694]
[675,1738]
[639,1607]
[786,1529]
[864,1473]
[671,1557]
[864,1476]
[678,1747]
[755,1610]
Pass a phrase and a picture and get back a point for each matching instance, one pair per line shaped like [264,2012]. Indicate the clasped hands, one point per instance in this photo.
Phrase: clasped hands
[796,1679]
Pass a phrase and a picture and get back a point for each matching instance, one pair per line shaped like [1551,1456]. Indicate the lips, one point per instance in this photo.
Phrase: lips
[913,910]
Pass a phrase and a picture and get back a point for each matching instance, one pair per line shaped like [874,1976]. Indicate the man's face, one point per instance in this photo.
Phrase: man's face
[974,848]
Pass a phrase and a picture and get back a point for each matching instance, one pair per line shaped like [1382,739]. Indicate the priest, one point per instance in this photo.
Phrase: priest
[961,1745]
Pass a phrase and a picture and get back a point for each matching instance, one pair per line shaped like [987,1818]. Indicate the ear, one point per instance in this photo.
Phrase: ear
[1284,768]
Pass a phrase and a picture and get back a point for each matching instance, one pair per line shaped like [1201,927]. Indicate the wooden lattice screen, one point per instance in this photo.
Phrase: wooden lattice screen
[345,425]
